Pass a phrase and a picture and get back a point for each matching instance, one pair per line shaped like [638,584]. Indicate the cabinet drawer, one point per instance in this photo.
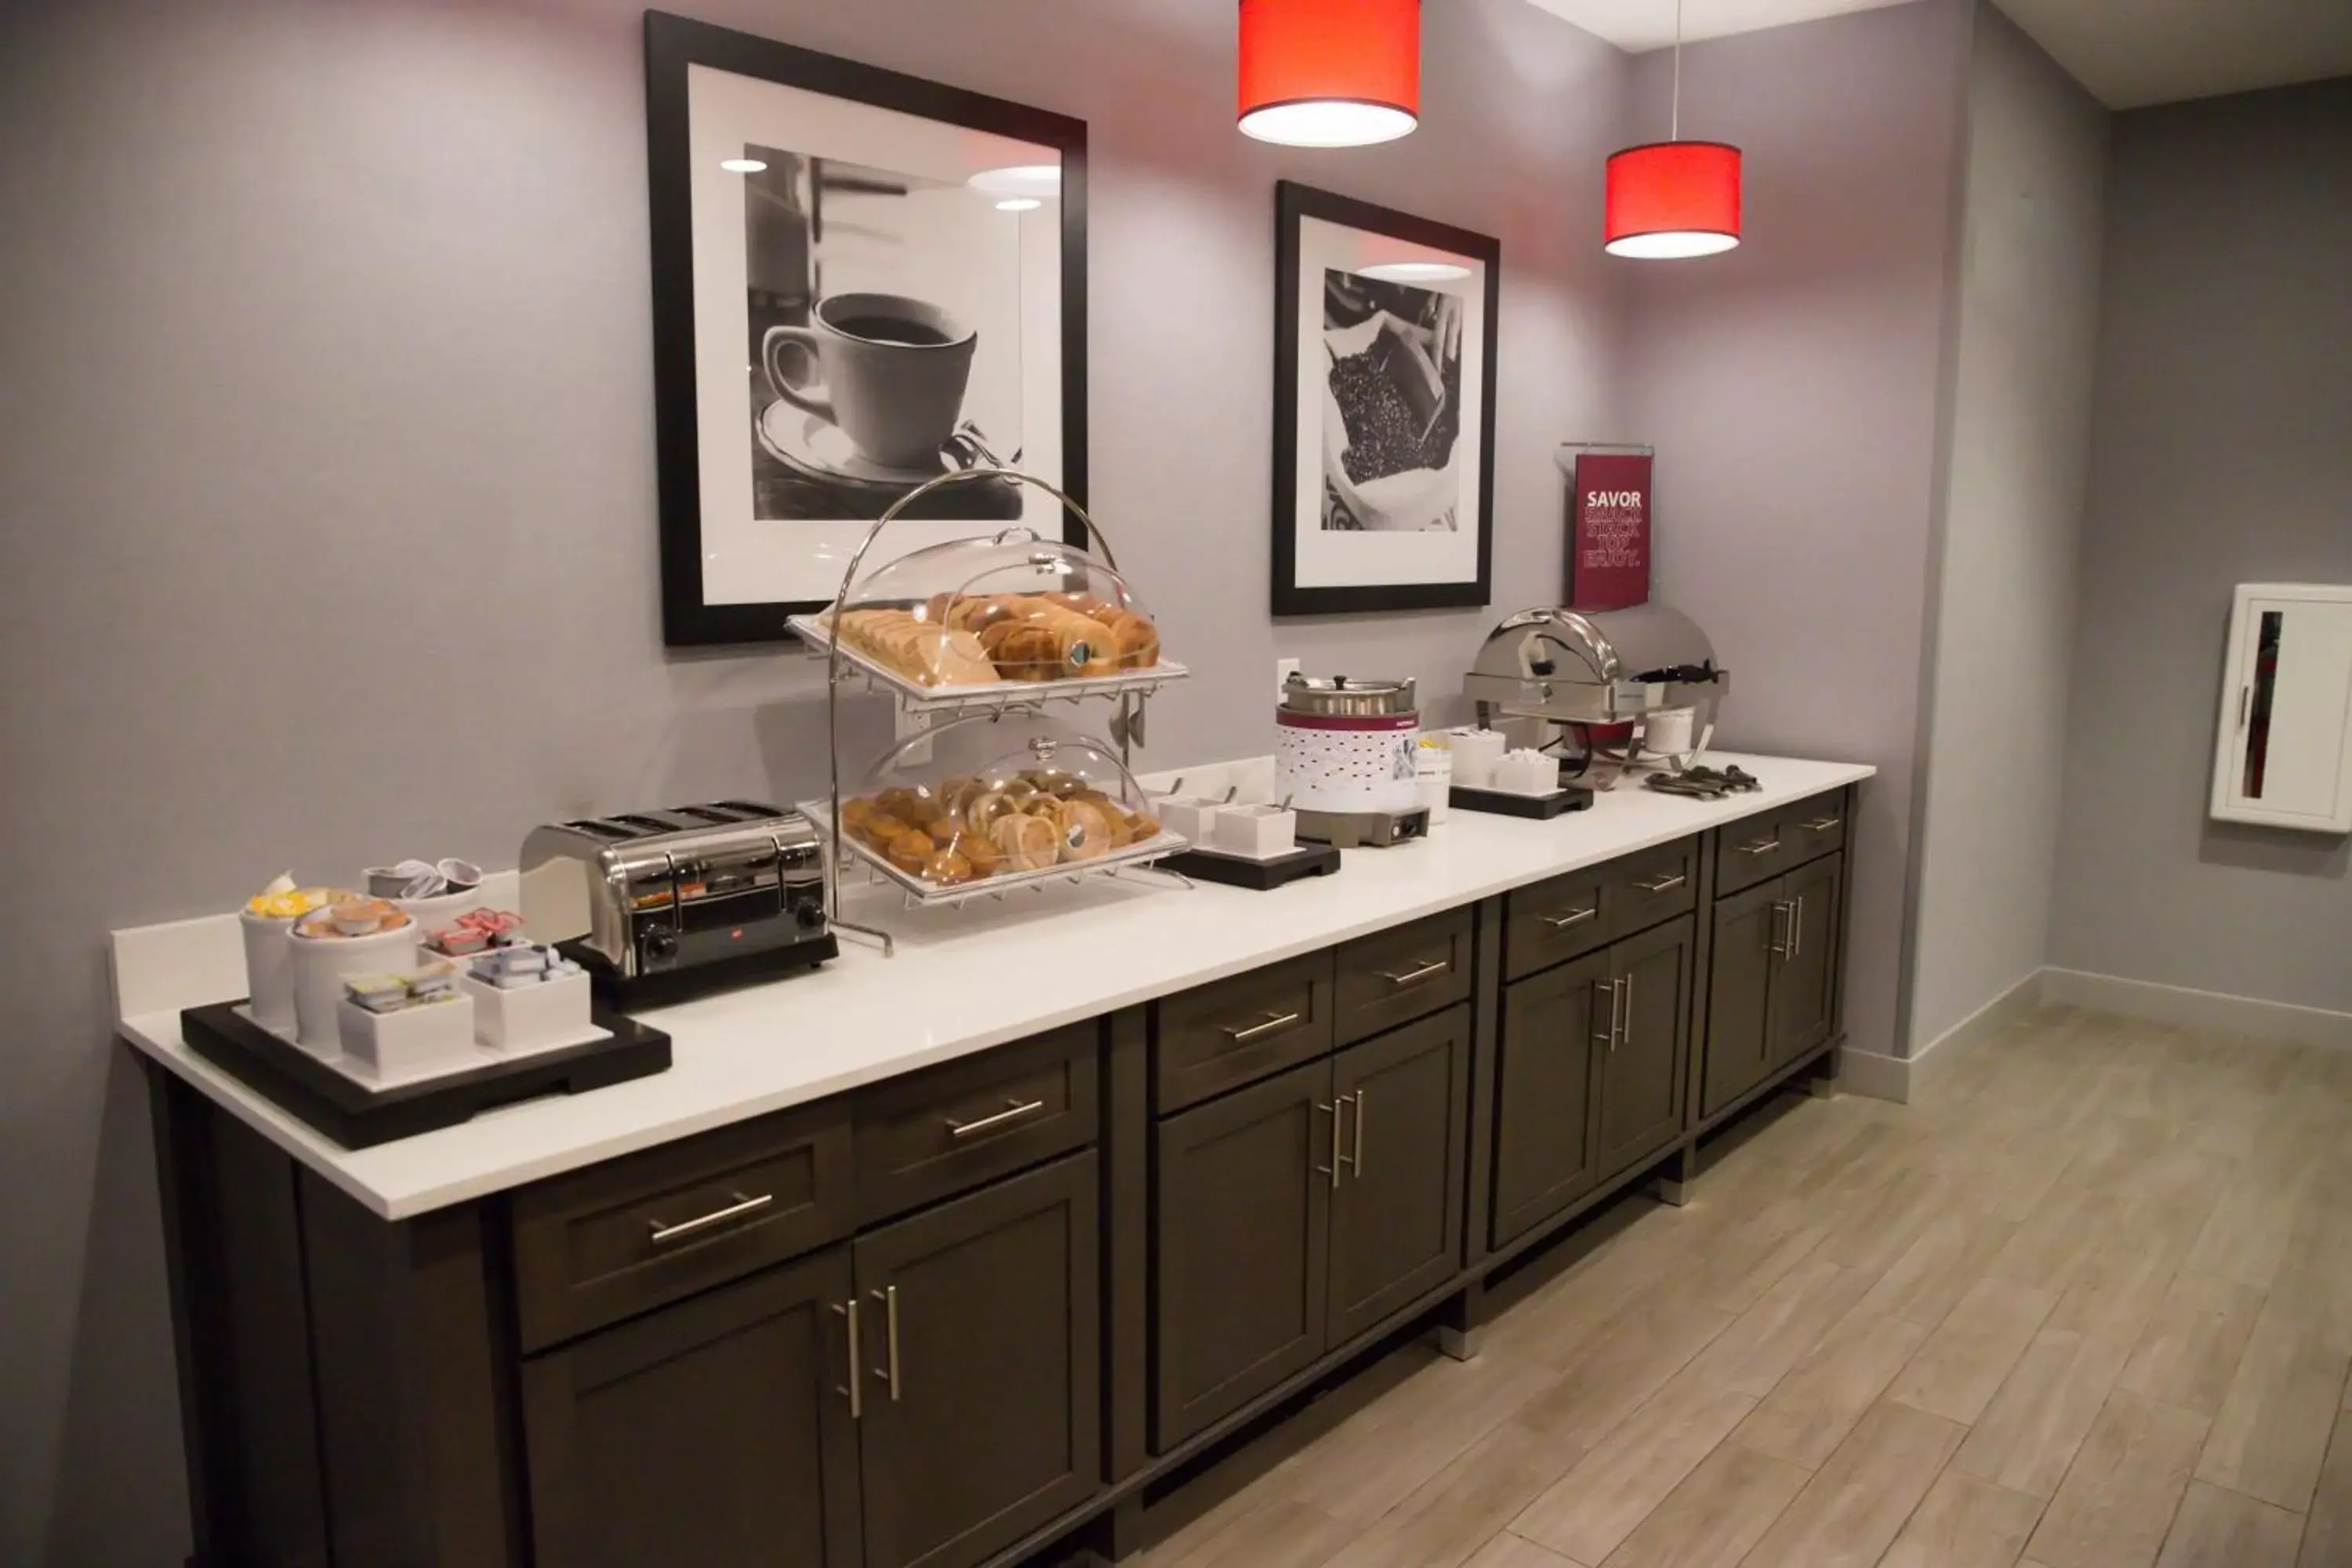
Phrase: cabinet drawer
[1392,977]
[615,1239]
[1237,1031]
[937,1133]
[1648,889]
[1553,922]
[1812,828]
[1749,852]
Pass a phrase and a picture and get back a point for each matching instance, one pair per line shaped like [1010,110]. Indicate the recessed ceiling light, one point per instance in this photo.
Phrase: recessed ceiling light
[742,165]
[1020,180]
[1413,271]
[1019,205]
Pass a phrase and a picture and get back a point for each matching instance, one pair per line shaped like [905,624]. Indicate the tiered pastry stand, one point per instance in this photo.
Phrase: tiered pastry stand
[846,665]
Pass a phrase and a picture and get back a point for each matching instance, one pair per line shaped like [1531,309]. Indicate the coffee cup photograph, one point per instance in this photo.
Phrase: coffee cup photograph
[886,344]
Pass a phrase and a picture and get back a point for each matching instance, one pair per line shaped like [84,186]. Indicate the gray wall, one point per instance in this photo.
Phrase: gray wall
[2221,453]
[1794,389]
[308,307]
[2002,616]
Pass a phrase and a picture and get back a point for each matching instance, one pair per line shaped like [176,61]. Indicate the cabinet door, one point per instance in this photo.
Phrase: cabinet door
[1642,1070]
[1552,1024]
[1242,1216]
[715,1432]
[1749,931]
[1804,984]
[1396,1214]
[981,1334]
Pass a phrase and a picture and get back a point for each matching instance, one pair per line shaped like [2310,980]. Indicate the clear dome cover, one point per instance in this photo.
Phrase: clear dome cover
[1012,607]
[999,799]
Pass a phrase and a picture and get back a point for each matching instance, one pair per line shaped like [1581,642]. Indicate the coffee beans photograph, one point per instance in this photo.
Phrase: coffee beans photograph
[1395,404]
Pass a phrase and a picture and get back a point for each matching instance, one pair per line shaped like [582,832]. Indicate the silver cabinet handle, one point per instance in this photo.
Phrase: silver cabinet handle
[1332,1110]
[848,1310]
[1782,948]
[1362,1095]
[889,1369]
[666,1234]
[1608,1037]
[1797,928]
[1573,917]
[1415,976]
[1014,1110]
[1625,1029]
[1821,824]
[1761,846]
[1340,1105]
[1664,884]
[1242,1034]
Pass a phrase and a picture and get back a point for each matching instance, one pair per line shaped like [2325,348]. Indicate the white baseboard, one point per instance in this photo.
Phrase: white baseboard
[1875,1076]
[2177,1004]
[1902,1079]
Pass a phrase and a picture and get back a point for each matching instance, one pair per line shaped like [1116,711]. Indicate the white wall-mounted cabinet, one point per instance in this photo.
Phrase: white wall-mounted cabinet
[2283,756]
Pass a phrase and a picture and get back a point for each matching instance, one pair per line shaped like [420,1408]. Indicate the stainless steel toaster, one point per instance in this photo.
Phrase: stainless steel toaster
[660,904]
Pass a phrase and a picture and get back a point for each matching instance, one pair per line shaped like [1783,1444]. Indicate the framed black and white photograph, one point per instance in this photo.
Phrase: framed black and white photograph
[1384,397]
[862,280]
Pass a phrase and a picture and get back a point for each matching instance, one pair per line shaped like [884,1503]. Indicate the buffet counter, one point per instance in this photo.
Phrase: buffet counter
[963,980]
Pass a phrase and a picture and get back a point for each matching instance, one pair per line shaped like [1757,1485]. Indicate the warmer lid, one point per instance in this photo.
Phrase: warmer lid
[1341,696]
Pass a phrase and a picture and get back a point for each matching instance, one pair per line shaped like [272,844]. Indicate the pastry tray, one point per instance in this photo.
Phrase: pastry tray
[358,1115]
[1133,858]
[992,696]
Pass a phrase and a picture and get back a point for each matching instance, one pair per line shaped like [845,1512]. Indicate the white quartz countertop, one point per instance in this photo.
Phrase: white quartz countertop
[963,979]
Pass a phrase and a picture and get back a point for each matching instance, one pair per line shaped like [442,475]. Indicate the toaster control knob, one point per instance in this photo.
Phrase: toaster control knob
[810,915]
[661,945]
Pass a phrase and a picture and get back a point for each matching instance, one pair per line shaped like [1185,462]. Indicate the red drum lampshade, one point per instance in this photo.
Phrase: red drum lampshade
[1673,198]
[1329,73]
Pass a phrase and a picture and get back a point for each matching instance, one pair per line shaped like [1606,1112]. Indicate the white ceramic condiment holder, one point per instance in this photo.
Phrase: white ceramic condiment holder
[1475,752]
[269,969]
[1259,832]
[321,965]
[440,911]
[1432,776]
[1195,819]
[526,1017]
[408,1042]
[1527,773]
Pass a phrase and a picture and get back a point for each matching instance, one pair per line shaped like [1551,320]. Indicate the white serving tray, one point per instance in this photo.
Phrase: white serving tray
[478,1056]
[996,695]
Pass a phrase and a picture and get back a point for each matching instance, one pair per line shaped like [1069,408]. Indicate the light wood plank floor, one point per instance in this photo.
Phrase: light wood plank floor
[2089,1305]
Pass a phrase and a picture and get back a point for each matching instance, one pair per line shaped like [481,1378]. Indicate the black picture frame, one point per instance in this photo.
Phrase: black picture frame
[673,45]
[1293,203]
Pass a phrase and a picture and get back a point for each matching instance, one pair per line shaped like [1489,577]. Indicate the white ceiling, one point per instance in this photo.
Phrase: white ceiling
[2128,52]
[1638,25]
[2135,52]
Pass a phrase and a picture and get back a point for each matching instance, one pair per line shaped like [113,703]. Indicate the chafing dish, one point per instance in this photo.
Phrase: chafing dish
[1612,678]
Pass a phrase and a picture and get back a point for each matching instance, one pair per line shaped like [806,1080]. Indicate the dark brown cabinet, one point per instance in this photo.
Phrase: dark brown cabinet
[716,1432]
[1772,987]
[1396,1214]
[1544,1154]
[1804,987]
[1299,1212]
[1640,1066]
[1242,1214]
[979,1339]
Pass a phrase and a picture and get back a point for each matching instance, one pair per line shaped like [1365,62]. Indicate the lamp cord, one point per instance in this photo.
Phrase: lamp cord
[1674,132]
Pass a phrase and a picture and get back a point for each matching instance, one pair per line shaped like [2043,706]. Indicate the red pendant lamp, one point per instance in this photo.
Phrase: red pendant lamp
[1673,198]
[1329,73]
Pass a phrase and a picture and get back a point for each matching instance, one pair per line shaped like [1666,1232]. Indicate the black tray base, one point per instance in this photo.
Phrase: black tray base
[685,984]
[1259,876]
[358,1117]
[1503,802]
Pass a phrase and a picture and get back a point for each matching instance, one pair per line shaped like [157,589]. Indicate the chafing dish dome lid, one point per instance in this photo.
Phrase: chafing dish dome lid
[1573,663]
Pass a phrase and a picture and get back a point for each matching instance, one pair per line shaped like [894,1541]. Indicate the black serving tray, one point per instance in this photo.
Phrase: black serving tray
[1505,803]
[359,1117]
[1259,876]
